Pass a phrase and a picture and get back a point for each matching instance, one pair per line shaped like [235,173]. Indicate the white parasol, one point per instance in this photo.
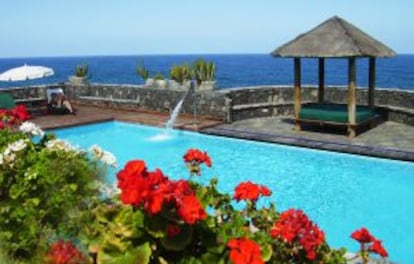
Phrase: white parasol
[26,72]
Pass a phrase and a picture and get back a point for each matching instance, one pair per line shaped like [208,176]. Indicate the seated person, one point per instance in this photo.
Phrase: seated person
[58,103]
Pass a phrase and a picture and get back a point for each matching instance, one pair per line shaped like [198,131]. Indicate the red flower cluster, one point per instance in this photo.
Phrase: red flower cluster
[15,116]
[250,191]
[377,248]
[195,155]
[295,227]
[244,251]
[153,191]
[364,237]
[194,158]
[63,252]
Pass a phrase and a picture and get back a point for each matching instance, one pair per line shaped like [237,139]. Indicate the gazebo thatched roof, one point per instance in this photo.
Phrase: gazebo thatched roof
[334,38]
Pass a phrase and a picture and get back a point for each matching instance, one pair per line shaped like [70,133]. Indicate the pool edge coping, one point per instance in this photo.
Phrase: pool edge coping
[356,149]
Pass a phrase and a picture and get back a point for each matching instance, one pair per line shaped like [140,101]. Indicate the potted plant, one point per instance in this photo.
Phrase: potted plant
[81,75]
[181,75]
[144,74]
[160,81]
[204,73]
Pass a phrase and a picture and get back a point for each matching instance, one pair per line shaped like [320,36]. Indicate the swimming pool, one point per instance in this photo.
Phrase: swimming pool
[340,192]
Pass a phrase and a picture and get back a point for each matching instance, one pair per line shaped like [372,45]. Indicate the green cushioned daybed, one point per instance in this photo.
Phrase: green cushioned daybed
[334,113]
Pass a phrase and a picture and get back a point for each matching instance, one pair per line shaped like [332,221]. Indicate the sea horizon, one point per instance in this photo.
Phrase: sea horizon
[165,54]
[233,69]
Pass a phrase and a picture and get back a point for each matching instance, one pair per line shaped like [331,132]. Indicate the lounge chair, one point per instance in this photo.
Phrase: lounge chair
[6,101]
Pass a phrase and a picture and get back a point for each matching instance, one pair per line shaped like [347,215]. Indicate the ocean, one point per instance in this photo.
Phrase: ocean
[232,70]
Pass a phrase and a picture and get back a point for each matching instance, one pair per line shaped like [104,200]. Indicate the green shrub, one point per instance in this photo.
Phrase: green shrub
[159,76]
[41,185]
[142,72]
[81,70]
[180,73]
[204,71]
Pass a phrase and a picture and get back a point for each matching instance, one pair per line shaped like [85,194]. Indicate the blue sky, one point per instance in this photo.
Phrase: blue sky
[133,27]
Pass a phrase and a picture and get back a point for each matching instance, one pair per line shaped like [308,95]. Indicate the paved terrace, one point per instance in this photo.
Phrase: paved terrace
[387,139]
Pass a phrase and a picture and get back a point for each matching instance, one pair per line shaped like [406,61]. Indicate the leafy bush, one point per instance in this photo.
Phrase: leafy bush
[41,185]
[159,220]
[204,71]
[180,73]
[159,76]
[81,70]
[142,72]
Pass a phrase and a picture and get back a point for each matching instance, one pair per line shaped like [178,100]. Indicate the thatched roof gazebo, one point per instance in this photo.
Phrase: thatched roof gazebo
[334,38]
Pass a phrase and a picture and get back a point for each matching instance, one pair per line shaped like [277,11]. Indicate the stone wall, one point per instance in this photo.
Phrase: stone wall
[30,92]
[229,104]
[262,101]
[284,94]
[208,103]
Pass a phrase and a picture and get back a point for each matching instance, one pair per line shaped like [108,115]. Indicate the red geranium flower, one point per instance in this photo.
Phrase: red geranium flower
[195,155]
[250,191]
[194,158]
[154,199]
[130,181]
[244,251]
[377,248]
[363,236]
[295,228]
[136,183]
[20,112]
[15,116]
[63,252]
[190,209]
[154,191]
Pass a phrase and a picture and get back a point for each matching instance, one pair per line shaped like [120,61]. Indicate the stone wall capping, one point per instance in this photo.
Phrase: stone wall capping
[95,98]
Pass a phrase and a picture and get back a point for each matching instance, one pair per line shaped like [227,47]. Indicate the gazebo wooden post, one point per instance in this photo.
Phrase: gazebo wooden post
[351,97]
[371,82]
[298,95]
[321,88]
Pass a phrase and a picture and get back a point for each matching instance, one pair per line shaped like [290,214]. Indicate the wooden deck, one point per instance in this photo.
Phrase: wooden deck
[89,114]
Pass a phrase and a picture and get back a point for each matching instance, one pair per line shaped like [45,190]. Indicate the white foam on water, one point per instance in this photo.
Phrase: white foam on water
[161,137]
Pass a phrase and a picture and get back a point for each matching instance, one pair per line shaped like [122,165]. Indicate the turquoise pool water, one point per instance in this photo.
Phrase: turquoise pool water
[340,192]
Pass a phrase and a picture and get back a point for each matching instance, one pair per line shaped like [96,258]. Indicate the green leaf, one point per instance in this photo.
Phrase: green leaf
[156,226]
[180,241]
[212,258]
[190,260]
[140,255]
[35,201]
[266,252]
[73,187]
[114,244]
[211,222]
[138,218]
[15,191]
